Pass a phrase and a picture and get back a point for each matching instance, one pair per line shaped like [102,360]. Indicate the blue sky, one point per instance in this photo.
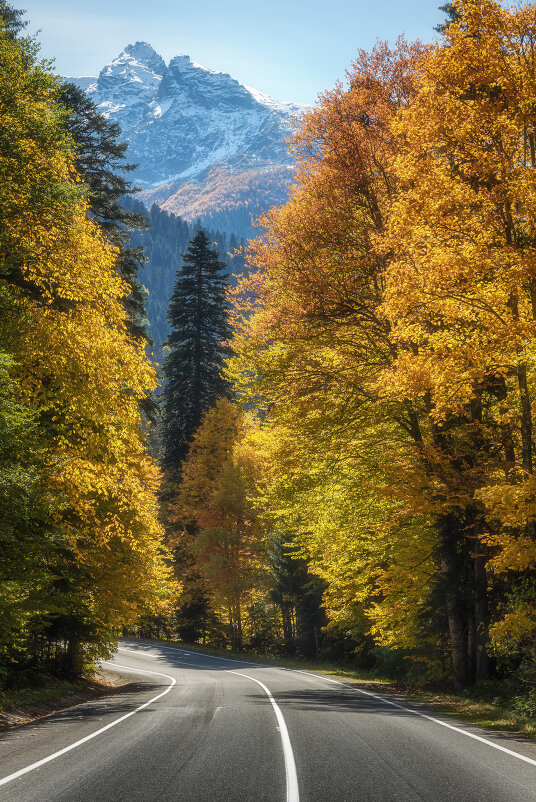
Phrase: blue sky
[290,49]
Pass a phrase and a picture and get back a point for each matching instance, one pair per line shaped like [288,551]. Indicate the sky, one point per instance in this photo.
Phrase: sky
[290,49]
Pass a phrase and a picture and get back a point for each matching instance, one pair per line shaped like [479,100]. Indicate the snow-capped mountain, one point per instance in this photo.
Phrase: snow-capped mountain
[205,144]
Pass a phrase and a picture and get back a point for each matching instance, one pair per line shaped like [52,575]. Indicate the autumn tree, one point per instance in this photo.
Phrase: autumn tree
[217,492]
[460,296]
[74,379]
[312,351]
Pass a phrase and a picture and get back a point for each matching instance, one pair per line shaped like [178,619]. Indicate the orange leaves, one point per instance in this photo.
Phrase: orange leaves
[392,348]
[217,492]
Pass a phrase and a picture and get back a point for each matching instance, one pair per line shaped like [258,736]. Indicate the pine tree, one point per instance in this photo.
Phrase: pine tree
[100,162]
[12,19]
[193,367]
[453,15]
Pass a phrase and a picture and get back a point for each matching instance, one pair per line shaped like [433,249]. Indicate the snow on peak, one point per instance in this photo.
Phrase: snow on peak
[180,119]
[84,82]
[184,61]
[145,54]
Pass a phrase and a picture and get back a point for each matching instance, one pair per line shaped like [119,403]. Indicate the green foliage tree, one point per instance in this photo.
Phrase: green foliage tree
[193,367]
[453,15]
[298,594]
[12,19]
[99,160]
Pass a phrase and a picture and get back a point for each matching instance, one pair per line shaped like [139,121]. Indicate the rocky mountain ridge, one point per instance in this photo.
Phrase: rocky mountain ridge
[205,145]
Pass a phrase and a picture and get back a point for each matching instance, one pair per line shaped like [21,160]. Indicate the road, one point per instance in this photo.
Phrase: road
[194,728]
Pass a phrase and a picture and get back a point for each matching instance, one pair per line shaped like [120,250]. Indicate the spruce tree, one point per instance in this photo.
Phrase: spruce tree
[198,317]
[11,19]
[100,162]
[453,15]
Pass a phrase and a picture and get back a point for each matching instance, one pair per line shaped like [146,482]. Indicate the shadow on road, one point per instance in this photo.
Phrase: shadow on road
[121,700]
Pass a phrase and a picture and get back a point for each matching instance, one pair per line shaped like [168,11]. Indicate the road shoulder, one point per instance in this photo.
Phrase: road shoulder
[104,683]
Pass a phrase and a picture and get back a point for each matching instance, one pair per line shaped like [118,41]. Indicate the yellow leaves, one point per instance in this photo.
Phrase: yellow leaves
[395,323]
[515,628]
[217,491]
[76,364]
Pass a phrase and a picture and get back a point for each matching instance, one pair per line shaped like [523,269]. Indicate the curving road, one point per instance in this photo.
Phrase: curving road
[190,727]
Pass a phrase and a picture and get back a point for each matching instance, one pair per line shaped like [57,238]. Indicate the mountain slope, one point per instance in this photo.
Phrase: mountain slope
[206,145]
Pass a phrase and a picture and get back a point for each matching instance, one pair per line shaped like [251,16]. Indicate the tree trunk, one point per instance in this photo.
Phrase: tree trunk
[286,620]
[526,418]
[239,626]
[482,665]
[458,638]
[452,566]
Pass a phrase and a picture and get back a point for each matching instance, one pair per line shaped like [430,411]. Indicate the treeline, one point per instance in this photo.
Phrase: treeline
[81,548]
[229,198]
[384,360]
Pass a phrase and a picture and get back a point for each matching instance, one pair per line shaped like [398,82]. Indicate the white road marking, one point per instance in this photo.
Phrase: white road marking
[428,718]
[176,649]
[45,760]
[290,765]
[380,699]
[443,724]
[316,676]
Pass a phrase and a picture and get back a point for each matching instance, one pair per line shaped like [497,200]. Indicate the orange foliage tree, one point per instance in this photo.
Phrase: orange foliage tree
[461,292]
[391,345]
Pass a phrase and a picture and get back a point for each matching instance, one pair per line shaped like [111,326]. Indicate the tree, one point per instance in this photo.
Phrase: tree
[313,351]
[453,15]
[217,493]
[193,367]
[298,595]
[461,299]
[12,19]
[99,160]
[71,387]
[392,346]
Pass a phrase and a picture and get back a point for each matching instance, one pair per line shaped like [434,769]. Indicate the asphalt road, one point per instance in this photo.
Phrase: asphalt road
[194,728]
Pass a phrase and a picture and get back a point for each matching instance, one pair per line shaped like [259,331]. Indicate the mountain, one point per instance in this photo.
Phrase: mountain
[205,145]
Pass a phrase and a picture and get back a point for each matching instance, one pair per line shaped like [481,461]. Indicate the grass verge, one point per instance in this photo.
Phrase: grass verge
[50,690]
[20,705]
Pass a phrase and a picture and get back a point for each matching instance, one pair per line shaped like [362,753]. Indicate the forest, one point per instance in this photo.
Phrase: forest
[335,458]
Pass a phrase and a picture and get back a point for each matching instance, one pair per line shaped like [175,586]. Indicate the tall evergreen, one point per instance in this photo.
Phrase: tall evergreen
[453,15]
[100,161]
[198,316]
[12,19]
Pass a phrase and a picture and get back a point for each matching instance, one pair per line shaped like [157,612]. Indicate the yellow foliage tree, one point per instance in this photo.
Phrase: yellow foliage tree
[461,290]
[217,493]
[76,366]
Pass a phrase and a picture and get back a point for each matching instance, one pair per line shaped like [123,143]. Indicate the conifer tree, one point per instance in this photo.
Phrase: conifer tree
[453,15]
[99,160]
[197,314]
[12,19]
